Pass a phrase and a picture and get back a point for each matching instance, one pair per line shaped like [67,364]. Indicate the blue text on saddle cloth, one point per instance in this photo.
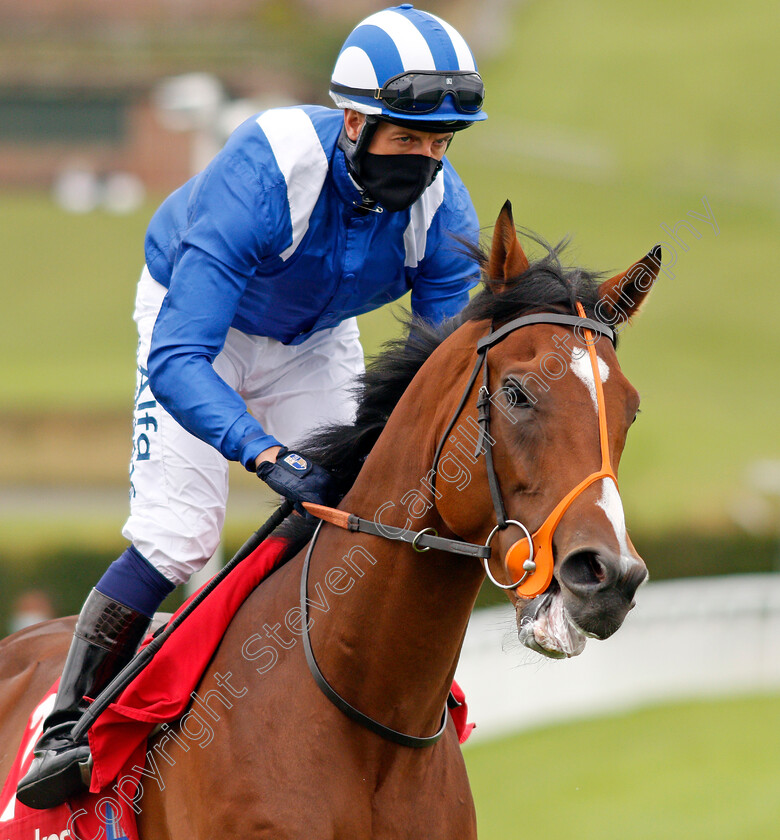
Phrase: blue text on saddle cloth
[111,824]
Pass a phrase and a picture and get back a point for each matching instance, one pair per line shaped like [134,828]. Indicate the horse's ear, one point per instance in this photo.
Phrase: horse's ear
[621,296]
[507,259]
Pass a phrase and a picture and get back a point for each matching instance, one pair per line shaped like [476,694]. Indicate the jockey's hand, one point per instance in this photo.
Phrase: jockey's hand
[298,479]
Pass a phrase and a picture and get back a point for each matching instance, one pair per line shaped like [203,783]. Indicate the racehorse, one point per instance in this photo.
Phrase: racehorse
[486,446]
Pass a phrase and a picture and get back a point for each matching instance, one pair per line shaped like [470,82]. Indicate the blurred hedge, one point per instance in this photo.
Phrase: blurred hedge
[679,554]
[68,574]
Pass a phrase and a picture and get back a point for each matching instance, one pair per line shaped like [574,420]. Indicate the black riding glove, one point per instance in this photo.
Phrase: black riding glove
[298,479]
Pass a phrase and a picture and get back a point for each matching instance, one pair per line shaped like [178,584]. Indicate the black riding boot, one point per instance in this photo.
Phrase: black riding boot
[107,636]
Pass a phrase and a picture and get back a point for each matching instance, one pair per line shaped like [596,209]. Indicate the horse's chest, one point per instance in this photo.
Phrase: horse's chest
[429,799]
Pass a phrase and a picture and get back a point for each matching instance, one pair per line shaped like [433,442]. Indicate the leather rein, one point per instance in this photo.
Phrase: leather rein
[531,558]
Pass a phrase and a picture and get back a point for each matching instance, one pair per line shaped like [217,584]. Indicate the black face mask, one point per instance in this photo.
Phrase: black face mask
[397,181]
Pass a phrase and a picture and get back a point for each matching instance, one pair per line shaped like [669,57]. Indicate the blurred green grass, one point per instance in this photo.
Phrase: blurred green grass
[698,771]
[68,286]
[606,121]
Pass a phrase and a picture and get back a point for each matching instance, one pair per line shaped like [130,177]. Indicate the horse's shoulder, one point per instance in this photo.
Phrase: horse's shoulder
[265,607]
[280,588]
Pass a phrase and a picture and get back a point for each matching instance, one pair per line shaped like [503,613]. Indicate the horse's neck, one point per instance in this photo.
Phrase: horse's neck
[392,645]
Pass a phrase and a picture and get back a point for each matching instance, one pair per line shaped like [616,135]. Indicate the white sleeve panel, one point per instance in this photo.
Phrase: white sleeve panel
[421,216]
[302,161]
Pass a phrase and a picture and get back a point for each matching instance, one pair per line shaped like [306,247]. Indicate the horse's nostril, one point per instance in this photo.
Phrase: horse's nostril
[598,589]
[583,570]
[596,568]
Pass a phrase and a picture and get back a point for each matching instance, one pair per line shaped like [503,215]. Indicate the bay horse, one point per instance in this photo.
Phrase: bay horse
[385,617]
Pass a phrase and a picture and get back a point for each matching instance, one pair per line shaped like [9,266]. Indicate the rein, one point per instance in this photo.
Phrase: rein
[533,553]
[420,541]
[338,701]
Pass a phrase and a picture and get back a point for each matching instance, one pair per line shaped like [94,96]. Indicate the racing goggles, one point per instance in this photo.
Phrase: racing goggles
[422,91]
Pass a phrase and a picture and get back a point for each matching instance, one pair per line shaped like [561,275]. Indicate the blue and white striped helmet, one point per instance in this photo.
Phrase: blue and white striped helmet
[402,63]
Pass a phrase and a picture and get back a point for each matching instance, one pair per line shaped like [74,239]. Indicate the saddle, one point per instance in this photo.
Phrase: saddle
[160,694]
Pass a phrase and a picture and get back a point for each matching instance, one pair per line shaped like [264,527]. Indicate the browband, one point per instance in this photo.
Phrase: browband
[545,318]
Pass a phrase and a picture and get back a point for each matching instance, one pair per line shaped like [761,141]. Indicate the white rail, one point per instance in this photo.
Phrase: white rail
[686,638]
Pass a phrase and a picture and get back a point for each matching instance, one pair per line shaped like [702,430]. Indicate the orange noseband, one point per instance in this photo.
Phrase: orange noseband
[542,555]
[530,561]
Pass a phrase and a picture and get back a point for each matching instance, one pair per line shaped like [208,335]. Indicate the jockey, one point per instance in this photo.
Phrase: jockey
[255,271]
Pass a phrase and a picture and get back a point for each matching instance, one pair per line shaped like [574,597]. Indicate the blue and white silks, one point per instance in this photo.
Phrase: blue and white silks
[267,240]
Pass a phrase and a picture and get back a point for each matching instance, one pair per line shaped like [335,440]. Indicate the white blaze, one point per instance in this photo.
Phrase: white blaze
[583,370]
[611,503]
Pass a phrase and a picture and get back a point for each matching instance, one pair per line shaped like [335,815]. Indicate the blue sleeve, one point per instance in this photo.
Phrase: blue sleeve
[441,284]
[235,217]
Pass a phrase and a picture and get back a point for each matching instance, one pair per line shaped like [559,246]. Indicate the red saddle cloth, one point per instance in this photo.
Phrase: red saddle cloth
[160,694]
[87,818]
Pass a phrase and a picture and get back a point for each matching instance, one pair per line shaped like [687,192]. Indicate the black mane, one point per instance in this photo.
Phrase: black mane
[546,285]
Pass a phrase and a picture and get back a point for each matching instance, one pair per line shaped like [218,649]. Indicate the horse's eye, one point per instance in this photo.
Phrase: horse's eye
[516,397]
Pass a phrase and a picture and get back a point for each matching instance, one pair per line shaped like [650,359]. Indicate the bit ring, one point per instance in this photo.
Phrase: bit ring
[529,565]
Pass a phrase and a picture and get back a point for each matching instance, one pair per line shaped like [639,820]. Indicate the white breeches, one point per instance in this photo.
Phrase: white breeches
[178,483]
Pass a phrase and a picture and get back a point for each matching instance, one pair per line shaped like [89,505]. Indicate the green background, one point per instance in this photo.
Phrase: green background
[607,120]
[610,123]
[684,771]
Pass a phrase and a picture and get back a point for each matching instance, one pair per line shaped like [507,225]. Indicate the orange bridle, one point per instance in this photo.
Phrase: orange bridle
[539,549]
[534,554]
[530,558]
